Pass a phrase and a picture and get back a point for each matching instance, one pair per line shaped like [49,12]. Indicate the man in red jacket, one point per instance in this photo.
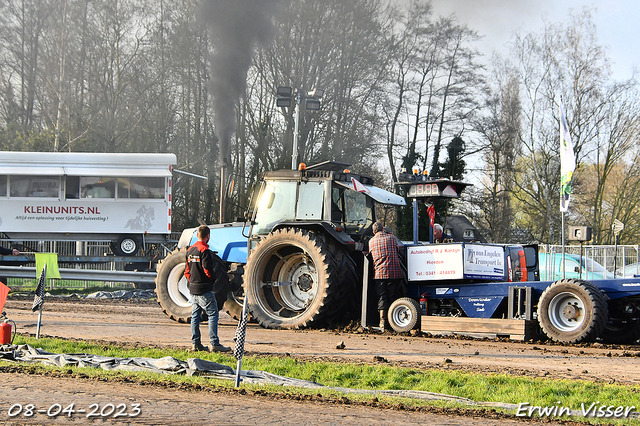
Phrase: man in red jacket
[201,273]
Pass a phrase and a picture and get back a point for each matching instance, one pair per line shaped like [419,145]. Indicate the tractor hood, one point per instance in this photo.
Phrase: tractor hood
[378,194]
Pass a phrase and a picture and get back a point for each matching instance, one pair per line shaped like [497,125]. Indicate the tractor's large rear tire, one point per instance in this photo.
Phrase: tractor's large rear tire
[172,290]
[296,278]
[572,311]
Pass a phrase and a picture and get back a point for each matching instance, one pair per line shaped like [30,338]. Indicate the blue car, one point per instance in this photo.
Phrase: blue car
[575,267]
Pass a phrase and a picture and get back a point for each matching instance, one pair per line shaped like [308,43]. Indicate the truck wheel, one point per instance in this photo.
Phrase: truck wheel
[294,278]
[171,287]
[572,311]
[127,245]
[404,314]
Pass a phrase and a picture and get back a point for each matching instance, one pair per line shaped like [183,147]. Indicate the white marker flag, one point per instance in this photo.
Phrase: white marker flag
[567,161]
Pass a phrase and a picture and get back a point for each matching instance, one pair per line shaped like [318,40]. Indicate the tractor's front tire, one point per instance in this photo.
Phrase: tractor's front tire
[572,311]
[173,293]
[171,287]
[295,278]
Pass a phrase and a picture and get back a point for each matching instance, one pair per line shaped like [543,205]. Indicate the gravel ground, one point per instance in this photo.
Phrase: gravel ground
[142,323]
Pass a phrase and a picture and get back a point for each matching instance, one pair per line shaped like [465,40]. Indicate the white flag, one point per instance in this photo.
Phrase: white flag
[241,332]
[567,161]
[38,300]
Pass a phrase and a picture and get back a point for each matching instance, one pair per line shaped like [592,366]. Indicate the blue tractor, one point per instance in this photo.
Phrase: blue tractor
[306,240]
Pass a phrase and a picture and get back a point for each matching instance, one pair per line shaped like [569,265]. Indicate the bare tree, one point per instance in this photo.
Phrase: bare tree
[623,200]
[459,81]
[617,136]
[562,62]
[500,129]
[434,92]
[338,46]
[412,54]
[24,23]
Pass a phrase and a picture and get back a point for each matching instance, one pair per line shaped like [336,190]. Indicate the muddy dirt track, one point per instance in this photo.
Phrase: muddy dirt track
[142,323]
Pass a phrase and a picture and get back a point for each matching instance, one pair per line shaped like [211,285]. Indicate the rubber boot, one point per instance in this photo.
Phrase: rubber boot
[383,319]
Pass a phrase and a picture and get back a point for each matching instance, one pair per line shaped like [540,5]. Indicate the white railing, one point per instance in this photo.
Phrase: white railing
[97,253]
[597,262]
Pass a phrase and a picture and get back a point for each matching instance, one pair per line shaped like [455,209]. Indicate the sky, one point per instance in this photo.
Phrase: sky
[616,22]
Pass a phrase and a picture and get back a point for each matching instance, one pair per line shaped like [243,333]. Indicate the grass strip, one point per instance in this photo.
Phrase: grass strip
[541,392]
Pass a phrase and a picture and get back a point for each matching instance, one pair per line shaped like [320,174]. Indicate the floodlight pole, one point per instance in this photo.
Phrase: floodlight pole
[285,96]
[294,154]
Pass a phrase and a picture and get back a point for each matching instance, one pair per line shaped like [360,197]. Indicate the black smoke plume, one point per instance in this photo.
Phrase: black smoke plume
[235,27]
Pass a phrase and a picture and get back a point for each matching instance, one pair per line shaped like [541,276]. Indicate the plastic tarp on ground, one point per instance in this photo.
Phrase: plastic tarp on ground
[166,365]
[201,367]
[196,366]
[120,294]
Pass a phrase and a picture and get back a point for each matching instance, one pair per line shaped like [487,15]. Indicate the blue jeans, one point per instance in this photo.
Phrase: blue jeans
[207,303]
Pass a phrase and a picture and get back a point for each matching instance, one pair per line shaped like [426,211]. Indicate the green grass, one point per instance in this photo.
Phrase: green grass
[478,387]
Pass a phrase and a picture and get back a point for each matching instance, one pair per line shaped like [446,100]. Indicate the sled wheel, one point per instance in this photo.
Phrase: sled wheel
[572,311]
[404,314]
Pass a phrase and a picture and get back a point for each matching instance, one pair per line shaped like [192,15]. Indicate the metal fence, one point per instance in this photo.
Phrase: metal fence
[101,253]
[597,262]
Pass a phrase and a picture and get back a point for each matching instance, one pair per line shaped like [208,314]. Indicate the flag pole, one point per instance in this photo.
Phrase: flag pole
[242,319]
[567,167]
[39,322]
[564,275]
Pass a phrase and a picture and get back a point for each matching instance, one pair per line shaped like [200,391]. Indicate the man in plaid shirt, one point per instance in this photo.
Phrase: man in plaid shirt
[386,262]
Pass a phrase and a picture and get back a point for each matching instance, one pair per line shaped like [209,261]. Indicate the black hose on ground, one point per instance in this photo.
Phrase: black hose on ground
[15,330]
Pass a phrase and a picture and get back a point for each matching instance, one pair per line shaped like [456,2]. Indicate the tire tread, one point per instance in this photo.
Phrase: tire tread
[333,292]
[598,315]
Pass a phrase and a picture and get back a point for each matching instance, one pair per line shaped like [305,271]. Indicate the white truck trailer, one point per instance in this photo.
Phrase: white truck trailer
[124,198]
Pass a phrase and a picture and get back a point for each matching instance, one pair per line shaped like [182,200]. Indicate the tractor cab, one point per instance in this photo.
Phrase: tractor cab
[325,196]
